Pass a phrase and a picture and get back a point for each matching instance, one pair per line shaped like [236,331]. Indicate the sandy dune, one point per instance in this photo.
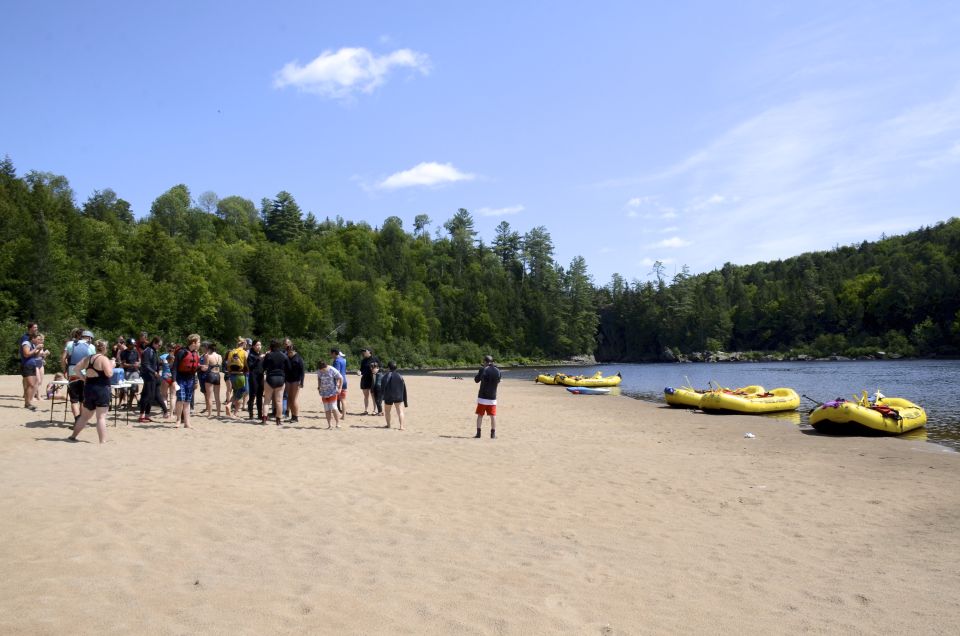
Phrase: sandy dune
[588,515]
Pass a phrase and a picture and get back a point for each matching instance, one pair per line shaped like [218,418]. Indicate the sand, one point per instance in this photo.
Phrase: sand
[588,515]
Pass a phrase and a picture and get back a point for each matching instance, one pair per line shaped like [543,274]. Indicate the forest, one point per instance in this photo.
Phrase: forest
[224,267]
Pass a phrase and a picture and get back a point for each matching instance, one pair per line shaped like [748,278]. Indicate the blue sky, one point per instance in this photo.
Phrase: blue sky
[694,133]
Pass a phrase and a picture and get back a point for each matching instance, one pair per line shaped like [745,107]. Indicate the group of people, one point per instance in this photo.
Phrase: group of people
[170,376]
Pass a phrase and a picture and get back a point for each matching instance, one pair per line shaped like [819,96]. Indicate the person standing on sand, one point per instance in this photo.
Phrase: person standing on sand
[340,364]
[367,360]
[394,393]
[96,392]
[295,375]
[255,367]
[31,354]
[186,363]
[275,367]
[489,377]
[150,373]
[329,383]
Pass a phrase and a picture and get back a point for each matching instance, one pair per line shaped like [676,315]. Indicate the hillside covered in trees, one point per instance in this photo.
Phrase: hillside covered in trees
[898,295]
[226,266]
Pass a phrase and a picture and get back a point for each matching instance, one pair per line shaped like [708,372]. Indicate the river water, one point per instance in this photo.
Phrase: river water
[933,384]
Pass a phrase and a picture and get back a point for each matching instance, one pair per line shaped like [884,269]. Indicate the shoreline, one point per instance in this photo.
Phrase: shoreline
[586,514]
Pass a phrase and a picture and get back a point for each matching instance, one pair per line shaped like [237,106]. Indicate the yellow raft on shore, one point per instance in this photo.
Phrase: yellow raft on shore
[556,378]
[683,397]
[884,416]
[750,400]
[596,381]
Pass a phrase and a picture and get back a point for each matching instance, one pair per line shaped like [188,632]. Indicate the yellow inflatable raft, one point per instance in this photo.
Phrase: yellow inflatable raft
[683,397]
[884,416]
[750,400]
[543,378]
[596,381]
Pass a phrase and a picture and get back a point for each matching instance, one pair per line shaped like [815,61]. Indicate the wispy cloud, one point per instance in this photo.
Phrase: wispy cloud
[822,164]
[425,174]
[343,73]
[672,242]
[513,209]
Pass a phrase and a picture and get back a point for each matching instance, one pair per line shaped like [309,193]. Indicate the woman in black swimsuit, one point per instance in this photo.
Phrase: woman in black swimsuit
[96,391]
[276,365]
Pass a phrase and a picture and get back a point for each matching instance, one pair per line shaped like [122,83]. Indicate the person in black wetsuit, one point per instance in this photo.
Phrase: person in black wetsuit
[96,391]
[255,366]
[294,382]
[275,367]
[367,360]
[150,373]
[394,393]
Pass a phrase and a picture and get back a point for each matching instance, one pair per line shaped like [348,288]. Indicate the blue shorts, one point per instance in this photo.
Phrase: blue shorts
[185,392]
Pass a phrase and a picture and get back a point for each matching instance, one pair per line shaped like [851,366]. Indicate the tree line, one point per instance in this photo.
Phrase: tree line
[224,267]
[899,295]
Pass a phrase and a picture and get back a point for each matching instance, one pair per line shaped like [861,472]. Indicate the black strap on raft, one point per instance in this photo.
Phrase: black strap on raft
[812,400]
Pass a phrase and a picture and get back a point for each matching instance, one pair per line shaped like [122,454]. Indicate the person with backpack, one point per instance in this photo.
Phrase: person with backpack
[236,376]
[339,363]
[186,363]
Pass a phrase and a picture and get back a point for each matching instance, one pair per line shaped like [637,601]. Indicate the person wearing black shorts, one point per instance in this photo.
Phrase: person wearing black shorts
[96,392]
[276,365]
[367,359]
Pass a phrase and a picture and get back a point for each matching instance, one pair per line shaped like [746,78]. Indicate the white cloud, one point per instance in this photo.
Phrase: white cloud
[425,174]
[513,209]
[342,73]
[673,242]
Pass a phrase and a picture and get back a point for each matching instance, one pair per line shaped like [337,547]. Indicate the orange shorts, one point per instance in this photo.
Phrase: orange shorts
[486,409]
[329,400]
[343,394]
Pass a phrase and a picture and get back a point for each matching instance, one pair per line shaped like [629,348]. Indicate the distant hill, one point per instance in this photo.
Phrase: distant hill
[898,295]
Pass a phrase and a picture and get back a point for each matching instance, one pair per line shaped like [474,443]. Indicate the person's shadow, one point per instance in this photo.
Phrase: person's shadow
[456,436]
[60,439]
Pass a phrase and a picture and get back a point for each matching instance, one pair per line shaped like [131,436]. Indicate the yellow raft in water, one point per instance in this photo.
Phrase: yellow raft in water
[750,400]
[596,381]
[885,416]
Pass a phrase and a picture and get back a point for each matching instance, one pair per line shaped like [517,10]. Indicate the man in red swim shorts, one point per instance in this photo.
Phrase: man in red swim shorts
[489,377]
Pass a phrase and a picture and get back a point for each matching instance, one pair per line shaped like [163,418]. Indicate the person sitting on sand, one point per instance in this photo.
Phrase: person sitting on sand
[394,393]
[329,384]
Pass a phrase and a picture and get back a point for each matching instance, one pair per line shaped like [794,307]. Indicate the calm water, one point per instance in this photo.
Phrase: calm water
[933,384]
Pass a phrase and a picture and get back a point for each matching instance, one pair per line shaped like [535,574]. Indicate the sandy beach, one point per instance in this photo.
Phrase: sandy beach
[588,515]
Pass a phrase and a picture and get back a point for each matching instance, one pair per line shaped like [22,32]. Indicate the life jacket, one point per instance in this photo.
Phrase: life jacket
[188,363]
[235,361]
